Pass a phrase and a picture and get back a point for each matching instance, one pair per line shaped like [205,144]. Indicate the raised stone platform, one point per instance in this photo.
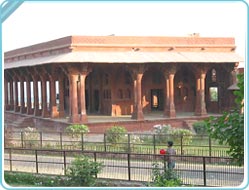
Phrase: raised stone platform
[99,123]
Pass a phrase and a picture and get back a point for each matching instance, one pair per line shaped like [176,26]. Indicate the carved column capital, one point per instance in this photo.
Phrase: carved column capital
[201,69]
[169,69]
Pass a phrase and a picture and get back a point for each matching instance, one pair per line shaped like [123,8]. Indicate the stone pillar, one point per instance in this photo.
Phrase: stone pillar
[172,112]
[134,114]
[83,115]
[169,75]
[140,115]
[61,98]
[53,107]
[29,109]
[11,96]
[36,99]
[74,115]
[6,93]
[101,98]
[166,106]
[200,109]
[22,108]
[138,107]
[16,108]
[44,97]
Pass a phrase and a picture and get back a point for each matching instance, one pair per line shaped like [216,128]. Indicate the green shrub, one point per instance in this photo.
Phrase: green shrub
[200,127]
[76,130]
[15,178]
[166,178]
[24,179]
[83,172]
[184,134]
[116,134]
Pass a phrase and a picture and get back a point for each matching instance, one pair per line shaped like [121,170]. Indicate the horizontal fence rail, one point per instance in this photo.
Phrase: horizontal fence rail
[192,170]
[132,143]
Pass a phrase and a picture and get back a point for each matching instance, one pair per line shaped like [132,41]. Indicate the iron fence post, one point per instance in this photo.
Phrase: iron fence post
[204,171]
[105,142]
[181,145]
[129,143]
[61,145]
[82,141]
[154,143]
[41,139]
[95,160]
[129,166]
[22,139]
[210,146]
[64,162]
[10,158]
[36,161]
[210,149]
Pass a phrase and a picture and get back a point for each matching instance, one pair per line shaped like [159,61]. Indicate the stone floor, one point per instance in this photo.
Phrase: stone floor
[151,116]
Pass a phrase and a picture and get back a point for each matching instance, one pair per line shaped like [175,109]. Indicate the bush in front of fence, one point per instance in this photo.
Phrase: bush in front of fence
[76,130]
[82,172]
[165,178]
[116,134]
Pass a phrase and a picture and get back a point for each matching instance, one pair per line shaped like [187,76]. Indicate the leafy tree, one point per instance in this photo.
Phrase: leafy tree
[229,128]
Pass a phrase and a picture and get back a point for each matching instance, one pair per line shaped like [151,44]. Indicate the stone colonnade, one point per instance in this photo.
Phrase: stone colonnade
[47,75]
[27,81]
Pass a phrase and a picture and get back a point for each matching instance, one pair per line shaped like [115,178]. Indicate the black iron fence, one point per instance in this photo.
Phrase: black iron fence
[192,170]
[132,143]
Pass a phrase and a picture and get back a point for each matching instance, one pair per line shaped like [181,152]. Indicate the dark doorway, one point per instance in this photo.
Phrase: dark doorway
[213,99]
[96,100]
[156,99]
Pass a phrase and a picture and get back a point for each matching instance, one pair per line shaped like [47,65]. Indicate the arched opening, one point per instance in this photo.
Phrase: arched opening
[122,87]
[217,95]
[153,90]
[93,95]
[185,90]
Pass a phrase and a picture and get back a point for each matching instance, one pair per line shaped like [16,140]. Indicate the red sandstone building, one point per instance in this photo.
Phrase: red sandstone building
[112,75]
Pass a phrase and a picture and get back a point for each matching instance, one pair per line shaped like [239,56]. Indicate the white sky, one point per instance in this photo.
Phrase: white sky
[35,22]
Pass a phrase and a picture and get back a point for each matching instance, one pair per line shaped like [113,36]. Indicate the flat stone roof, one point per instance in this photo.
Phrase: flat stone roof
[124,49]
[130,58]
